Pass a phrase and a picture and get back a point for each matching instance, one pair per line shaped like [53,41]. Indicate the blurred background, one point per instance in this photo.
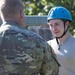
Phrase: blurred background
[42,7]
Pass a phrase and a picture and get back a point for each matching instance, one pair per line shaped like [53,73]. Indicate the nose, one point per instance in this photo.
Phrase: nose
[53,28]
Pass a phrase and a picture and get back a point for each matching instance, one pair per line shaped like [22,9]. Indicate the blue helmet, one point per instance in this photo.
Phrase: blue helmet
[59,12]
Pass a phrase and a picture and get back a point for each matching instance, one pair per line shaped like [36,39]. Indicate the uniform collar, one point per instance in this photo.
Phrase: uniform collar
[10,22]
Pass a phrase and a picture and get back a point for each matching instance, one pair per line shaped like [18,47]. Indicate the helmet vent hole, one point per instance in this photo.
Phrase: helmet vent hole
[62,11]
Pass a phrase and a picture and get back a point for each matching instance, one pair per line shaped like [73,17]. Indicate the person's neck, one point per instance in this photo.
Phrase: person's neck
[64,38]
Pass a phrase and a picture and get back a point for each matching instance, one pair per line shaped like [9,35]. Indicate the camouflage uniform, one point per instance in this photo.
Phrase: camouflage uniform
[23,52]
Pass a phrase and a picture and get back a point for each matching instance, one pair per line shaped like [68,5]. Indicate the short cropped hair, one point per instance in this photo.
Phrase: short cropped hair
[10,7]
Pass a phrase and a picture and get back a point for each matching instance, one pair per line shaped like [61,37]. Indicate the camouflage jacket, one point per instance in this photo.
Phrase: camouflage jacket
[23,52]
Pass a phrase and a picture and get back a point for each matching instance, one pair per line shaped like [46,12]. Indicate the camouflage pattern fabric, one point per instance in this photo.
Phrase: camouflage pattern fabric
[23,52]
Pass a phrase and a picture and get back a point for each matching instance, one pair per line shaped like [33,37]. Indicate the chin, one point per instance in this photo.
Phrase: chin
[56,36]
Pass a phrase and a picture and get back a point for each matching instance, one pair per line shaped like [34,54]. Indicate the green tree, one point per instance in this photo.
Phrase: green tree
[42,7]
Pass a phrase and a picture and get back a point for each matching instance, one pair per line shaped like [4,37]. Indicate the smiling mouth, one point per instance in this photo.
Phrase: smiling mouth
[56,32]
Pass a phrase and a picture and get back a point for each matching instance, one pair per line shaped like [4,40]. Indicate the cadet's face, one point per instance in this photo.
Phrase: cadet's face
[57,27]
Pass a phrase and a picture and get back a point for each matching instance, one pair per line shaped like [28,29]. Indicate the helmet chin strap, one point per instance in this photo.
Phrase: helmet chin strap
[61,37]
[63,33]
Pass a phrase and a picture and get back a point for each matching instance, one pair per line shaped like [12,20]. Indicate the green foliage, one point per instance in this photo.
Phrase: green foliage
[42,7]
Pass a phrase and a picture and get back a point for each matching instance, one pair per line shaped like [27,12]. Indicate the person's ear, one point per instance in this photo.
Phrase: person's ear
[67,23]
[21,14]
